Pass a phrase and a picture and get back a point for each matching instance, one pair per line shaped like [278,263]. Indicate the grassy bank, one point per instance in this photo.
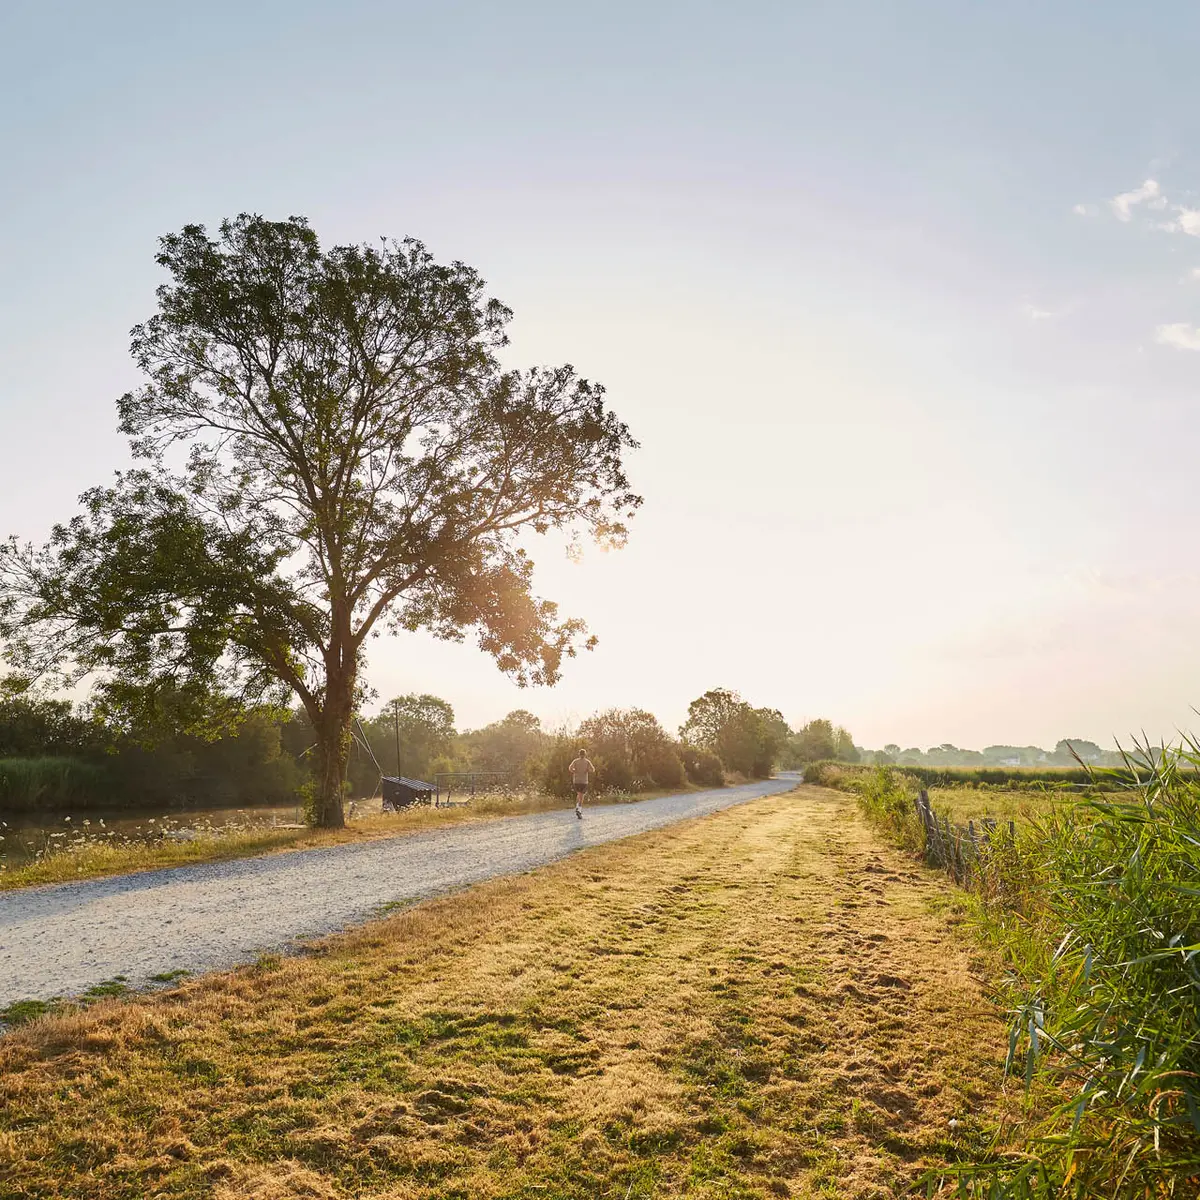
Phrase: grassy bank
[761,1003]
[1093,904]
[87,853]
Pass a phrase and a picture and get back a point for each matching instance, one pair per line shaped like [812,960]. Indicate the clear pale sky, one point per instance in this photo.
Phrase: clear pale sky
[901,299]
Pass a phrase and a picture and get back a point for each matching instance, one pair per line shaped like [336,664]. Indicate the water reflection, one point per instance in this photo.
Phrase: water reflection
[25,836]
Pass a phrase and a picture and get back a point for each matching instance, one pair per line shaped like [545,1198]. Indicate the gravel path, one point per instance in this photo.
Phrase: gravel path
[61,939]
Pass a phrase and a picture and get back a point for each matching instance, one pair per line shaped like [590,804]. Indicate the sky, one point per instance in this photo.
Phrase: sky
[901,300]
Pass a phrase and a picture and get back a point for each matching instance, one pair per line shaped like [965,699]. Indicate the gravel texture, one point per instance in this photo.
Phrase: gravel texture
[61,939]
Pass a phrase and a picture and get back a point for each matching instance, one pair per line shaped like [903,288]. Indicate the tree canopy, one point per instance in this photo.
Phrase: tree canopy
[631,750]
[411,733]
[745,738]
[330,448]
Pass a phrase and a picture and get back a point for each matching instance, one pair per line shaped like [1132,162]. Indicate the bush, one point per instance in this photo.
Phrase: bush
[702,767]
[662,766]
[614,771]
[631,750]
[551,772]
[747,740]
[886,798]
[1094,907]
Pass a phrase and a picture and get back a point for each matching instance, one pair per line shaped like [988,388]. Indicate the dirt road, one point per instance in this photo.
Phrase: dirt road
[63,939]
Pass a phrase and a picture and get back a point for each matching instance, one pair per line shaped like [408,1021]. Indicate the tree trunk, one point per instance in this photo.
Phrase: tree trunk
[333,749]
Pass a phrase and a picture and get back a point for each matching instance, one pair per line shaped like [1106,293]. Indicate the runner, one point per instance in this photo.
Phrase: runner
[580,770]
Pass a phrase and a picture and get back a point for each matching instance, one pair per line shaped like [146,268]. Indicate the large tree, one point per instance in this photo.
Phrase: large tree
[509,745]
[631,749]
[331,448]
[745,738]
[412,731]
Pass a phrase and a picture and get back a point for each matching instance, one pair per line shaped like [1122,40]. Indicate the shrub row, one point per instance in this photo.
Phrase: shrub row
[621,767]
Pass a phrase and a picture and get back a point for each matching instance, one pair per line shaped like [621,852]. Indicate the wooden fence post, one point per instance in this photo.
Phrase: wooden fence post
[933,835]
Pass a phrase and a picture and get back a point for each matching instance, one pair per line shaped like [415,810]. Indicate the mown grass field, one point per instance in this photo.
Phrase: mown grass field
[93,857]
[962,804]
[766,1002]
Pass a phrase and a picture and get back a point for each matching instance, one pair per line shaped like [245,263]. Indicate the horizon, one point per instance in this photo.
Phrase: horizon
[913,382]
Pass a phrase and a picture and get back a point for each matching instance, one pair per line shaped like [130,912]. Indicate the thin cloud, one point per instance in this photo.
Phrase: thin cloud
[1149,193]
[1039,314]
[1180,335]
[1085,210]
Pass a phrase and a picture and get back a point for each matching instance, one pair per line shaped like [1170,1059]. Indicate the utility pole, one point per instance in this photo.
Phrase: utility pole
[396,715]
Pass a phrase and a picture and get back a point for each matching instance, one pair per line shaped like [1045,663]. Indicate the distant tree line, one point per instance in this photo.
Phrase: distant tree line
[130,748]
[125,749]
[1068,752]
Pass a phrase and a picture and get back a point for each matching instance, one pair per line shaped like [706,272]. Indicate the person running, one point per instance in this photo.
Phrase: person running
[581,770]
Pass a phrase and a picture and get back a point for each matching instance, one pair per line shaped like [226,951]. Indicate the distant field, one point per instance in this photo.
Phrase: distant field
[767,1002]
[968,794]
[839,774]
[962,804]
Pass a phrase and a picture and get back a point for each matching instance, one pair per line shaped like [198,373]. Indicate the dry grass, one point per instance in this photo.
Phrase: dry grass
[765,1002]
[95,858]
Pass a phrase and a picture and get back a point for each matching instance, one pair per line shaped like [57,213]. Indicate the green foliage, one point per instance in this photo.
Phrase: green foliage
[745,739]
[511,745]
[631,750]
[702,766]
[35,726]
[886,797]
[410,734]
[354,458]
[661,765]
[152,713]
[1096,907]
[815,742]
[1106,995]
[46,783]
[818,740]
[552,773]
[21,1012]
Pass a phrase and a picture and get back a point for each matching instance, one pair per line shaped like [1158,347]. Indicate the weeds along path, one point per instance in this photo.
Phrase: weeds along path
[62,939]
[766,1002]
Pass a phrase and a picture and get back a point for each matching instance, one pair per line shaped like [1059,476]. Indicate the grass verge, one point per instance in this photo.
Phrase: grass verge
[1093,906]
[759,1003]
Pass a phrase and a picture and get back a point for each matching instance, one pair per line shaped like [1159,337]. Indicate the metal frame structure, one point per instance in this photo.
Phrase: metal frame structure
[476,781]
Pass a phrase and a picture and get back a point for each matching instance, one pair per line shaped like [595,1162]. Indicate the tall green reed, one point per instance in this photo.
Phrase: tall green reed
[1102,931]
[31,784]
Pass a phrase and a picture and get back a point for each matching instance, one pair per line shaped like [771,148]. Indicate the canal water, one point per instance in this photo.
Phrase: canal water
[23,836]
